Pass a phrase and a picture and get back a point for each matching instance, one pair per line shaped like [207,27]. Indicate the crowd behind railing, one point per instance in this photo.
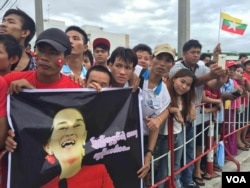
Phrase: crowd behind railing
[219,144]
[182,101]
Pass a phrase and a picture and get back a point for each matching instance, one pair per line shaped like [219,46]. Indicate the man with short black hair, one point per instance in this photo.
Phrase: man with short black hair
[79,42]
[98,76]
[205,57]
[144,55]
[10,52]
[21,26]
[214,77]
[242,58]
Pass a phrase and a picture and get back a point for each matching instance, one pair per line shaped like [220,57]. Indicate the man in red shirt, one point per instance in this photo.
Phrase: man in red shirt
[53,49]
[10,52]
[3,113]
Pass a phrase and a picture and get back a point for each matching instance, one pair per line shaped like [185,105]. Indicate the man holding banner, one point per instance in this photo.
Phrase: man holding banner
[113,139]
[53,48]
[3,119]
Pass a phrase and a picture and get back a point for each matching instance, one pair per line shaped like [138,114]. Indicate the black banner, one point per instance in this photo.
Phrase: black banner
[113,138]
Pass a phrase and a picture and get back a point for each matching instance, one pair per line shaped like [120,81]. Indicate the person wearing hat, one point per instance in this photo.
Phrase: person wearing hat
[230,94]
[101,48]
[233,91]
[53,49]
[155,100]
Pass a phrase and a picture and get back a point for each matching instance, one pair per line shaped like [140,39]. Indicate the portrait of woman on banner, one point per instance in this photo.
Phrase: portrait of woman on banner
[65,146]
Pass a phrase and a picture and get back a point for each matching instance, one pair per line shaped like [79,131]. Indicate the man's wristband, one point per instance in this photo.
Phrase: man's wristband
[149,151]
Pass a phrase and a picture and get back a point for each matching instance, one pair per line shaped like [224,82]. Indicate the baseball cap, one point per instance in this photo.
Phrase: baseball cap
[164,48]
[56,38]
[231,63]
[99,41]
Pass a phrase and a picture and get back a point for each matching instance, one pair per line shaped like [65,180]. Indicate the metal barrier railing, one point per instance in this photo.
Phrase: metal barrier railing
[201,119]
[212,143]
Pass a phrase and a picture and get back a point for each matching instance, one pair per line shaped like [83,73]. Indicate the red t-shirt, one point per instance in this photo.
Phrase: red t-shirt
[3,97]
[212,93]
[30,76]
[247,75]
[94,176]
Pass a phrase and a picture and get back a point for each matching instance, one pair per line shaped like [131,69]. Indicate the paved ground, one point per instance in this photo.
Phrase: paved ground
[243,158]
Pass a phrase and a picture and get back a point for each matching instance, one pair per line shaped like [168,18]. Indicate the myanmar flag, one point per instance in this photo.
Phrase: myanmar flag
[232,24]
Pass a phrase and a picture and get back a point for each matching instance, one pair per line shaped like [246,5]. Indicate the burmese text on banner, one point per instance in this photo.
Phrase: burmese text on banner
[59,129]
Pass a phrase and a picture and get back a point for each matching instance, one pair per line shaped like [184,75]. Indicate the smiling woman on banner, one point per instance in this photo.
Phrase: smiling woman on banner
[66,145]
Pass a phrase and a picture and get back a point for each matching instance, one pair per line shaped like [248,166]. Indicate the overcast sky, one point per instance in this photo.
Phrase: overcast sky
[151,21]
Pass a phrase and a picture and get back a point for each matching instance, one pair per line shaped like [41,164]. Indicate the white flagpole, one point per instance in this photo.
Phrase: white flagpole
[219,28]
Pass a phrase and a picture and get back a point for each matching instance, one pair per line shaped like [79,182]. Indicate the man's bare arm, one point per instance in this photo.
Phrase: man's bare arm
[3,131]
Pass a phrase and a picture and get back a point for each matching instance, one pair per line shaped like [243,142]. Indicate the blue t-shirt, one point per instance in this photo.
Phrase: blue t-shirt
[67,71]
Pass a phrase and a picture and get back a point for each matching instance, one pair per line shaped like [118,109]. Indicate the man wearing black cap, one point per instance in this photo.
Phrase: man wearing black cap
[101,47]
[53,49]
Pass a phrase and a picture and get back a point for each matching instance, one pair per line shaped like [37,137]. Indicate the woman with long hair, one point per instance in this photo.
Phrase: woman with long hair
[182,91]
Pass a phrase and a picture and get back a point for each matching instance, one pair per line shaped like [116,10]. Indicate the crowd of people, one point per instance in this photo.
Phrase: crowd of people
[170,89]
